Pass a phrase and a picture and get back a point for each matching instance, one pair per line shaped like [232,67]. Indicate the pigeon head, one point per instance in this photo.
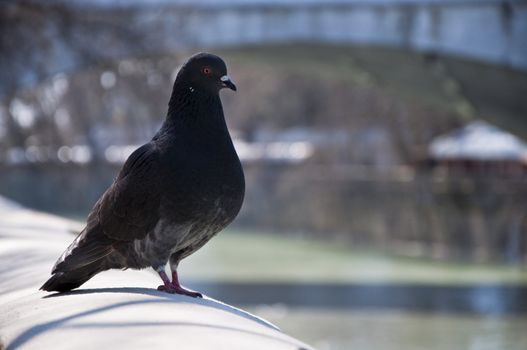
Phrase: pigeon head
[205,71]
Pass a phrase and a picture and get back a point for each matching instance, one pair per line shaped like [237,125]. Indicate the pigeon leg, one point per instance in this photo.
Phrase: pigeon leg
[164,277]
[174,287]
[180,289]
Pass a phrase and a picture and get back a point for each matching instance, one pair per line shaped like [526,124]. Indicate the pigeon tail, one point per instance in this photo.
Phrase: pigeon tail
[66,281]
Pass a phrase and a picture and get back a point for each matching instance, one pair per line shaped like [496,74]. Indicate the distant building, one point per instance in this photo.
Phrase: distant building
[479,148]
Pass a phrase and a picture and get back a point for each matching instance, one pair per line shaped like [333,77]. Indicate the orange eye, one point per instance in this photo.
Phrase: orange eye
[206,70]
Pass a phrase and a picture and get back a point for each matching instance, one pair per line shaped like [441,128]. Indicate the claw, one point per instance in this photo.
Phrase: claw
[172,289]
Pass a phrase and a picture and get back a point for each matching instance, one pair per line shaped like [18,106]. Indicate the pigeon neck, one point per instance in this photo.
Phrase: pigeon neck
[192,108]
[189,102]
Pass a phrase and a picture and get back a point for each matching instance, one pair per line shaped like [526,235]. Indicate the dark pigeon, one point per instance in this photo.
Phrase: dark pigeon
[172,195]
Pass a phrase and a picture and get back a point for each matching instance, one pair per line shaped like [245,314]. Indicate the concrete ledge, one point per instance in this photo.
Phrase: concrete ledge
[113,310]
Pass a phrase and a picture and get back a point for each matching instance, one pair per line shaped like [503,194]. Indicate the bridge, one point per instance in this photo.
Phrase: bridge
[41,39]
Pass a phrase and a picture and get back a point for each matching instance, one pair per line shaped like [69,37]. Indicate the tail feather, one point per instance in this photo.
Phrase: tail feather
[65,281]
[88,248]
[84,258]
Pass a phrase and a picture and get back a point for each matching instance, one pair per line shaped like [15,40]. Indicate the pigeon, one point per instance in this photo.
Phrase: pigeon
[172,195]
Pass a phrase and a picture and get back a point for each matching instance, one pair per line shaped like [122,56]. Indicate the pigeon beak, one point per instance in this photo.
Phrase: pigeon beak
[227,82]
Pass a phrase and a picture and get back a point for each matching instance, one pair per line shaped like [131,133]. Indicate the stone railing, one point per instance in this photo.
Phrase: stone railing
[115,309]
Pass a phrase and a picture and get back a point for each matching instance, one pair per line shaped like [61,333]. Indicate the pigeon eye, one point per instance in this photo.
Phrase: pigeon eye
[206,70]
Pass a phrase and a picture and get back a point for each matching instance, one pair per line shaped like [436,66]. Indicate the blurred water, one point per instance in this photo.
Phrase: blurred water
[482,299]
[397,330]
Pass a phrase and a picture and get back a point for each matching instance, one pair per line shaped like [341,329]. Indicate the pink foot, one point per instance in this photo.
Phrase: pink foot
[175,289]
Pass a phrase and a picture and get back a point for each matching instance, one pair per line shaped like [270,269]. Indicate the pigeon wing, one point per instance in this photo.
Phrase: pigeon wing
[129,209]
[126,211]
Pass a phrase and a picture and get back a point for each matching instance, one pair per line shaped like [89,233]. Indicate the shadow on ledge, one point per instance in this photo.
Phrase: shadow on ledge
[158,297]
[176,298]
